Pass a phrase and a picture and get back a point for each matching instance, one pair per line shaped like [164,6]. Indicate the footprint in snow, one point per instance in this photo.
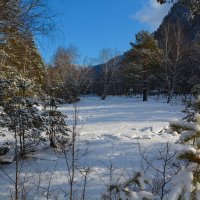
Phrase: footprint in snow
[150,128]
[143,137]
[134,129]
[111,137]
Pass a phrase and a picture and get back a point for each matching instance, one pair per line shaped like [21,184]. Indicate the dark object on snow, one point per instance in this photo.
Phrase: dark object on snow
[4,150]
[52,102]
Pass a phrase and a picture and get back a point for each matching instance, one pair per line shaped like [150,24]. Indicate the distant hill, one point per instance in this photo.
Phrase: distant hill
[98,68]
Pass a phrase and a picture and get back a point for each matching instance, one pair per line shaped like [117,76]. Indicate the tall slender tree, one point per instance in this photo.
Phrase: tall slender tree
[175,49]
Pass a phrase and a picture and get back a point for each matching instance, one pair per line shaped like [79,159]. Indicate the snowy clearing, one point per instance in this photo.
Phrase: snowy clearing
[111,129]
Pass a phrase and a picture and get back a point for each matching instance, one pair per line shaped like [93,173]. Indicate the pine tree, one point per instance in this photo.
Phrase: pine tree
[18,51]
[23,56]
[142,60]
[189,130]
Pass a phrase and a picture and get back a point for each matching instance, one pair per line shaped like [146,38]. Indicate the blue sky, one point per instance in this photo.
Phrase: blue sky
[92,25]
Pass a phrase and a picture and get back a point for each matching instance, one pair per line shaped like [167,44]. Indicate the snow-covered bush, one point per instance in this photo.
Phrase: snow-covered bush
[55,124]
[22,118]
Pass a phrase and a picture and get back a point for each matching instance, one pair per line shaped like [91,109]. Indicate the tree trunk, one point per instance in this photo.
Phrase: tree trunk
[23,143]
[170,94]
[16,168]
[105,92]
[144,94]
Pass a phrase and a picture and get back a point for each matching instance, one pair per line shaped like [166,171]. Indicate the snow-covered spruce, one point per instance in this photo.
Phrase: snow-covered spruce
[25,119]
[22,118]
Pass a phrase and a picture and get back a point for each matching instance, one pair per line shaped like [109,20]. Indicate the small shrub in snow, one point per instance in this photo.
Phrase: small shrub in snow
[134,188]
[4,150]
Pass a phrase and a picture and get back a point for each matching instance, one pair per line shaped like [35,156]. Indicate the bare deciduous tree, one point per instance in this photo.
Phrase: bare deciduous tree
[67,79]
[175,48]
[162,175]
[110,59]
[72,155]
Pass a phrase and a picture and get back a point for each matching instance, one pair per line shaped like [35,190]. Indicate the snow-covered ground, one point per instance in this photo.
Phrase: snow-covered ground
[111,130]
